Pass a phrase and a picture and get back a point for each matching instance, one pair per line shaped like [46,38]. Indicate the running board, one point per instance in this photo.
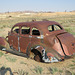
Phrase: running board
[16,53]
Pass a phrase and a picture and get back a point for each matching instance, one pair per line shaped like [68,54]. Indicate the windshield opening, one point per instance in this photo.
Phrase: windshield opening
[54,28]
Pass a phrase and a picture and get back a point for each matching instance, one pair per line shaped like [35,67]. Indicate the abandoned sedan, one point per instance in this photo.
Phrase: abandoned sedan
[45,41]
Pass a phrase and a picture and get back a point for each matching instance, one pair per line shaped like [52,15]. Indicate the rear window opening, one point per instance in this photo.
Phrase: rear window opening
[54,28]
[35,31]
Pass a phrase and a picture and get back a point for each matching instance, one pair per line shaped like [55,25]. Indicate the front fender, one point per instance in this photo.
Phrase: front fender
[3,43]
[49,51]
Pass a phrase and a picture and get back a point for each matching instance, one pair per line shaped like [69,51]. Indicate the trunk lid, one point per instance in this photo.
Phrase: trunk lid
[67,42]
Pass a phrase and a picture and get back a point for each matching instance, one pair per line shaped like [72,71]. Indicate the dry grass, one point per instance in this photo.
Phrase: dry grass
[66,19]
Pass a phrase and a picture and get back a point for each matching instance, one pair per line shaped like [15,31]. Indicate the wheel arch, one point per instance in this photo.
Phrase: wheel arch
[39,48]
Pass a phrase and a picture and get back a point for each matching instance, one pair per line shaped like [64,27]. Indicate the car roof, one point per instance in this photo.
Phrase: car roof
[38,24]
[41,25]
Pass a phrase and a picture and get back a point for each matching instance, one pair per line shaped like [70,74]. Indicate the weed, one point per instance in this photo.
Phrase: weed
[72,65]
[21,72]
[5,55]
[23,62]
[53,70]
[68,30]
[0,64]
[1,54]
[38,70]
[73,61]
[67,72]
[61,71]
[72,68]
[73,73]
[11,59]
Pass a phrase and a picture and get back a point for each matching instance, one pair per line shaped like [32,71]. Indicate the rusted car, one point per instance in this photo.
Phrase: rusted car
[45,41]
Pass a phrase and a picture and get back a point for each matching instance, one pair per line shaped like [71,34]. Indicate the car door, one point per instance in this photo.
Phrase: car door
[36,39]
[13,37]
[24,40]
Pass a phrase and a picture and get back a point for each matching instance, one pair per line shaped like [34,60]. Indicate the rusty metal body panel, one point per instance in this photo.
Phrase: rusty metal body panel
[3,44]
[50,37]
[68,43]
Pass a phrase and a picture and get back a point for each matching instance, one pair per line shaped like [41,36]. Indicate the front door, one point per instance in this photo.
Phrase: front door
[13,38]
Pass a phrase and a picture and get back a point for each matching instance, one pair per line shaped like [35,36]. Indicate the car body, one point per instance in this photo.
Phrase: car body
[42,40]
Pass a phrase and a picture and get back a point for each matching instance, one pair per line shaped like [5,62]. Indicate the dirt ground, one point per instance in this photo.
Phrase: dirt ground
[22,66]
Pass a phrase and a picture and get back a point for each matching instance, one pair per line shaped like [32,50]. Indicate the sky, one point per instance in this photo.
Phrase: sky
[37,5]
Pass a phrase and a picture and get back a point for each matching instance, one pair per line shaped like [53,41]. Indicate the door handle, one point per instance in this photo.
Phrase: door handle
[30,36]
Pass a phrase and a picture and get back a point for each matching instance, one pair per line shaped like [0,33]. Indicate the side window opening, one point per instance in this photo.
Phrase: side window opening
[16,29]
[54,28]
[51,28]
[25,30]
[35,31]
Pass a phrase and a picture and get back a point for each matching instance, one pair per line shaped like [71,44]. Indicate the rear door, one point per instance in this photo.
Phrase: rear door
[35,37]
[24,40]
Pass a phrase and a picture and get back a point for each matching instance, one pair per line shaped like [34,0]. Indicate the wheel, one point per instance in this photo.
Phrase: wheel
[38,58]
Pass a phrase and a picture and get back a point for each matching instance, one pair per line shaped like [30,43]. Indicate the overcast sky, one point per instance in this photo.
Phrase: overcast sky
[37,5]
